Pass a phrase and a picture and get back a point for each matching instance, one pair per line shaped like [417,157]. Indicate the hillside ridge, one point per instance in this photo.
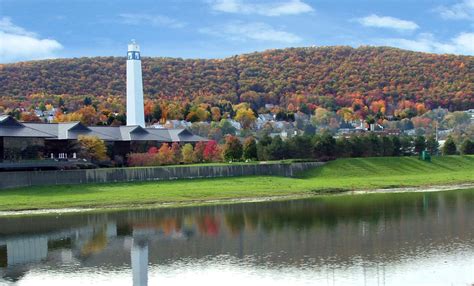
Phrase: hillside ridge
[325,76]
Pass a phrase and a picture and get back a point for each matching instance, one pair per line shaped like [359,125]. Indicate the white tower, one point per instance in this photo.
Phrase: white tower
[135,110]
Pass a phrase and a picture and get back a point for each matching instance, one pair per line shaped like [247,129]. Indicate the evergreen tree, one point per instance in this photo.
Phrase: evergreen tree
[419,144]
[358,146]
[60,102]
[277,149]
[432,145]
[250,149]
[42,107]
[467,147]
[299,147]
[387,146]
[87,101]
[406,144]
[397,146]
[262,144]
[375,148]
[343,147]
[449,147]
[324,147]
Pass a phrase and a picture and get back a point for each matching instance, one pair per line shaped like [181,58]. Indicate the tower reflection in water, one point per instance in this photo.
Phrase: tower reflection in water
[139,257]
[140,262]
[21,253]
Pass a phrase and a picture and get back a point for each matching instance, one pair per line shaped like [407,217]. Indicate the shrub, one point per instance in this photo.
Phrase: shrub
[165,155]
[176,150]
[199,152]
[140,160]
[153,150]
[187,153]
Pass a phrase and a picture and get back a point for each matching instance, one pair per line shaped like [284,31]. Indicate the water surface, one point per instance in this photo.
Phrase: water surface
[377,239]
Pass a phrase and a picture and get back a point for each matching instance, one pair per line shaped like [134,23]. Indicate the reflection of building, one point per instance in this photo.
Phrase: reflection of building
[27,249]
[96,243]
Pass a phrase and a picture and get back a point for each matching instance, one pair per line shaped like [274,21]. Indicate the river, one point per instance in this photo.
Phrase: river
[374,239]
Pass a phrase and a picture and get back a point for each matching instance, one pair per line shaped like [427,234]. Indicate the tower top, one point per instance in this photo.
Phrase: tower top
[133,46]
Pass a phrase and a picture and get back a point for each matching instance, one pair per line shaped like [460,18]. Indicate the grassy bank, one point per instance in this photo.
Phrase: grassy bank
[343,174]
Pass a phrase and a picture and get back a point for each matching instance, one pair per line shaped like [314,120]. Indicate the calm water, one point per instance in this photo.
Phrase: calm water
[379,239]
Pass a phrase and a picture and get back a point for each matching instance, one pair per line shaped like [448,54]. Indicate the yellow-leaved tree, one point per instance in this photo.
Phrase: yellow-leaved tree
[244,115]
[92,148]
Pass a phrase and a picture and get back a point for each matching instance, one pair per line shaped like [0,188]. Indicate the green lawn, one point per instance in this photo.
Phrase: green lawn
[343,174]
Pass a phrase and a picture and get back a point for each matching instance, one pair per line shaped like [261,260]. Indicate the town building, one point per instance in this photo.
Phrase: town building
[21,140]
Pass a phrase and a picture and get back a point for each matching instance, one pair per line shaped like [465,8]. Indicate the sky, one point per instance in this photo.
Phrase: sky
[43,29]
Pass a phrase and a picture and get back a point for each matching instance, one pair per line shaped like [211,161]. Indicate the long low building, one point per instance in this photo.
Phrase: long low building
[22,140]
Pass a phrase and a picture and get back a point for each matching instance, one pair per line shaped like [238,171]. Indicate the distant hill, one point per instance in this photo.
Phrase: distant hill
[326,76]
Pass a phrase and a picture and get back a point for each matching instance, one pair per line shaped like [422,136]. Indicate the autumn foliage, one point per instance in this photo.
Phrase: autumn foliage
[175,154]
[378,81]
[92,148]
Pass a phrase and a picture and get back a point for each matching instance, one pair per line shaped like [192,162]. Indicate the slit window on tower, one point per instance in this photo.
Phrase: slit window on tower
[133,55]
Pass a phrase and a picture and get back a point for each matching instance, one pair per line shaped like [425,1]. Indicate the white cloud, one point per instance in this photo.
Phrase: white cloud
[463,10]
[388,22]
[18,44]
[289,7]
[463,43]
[147,19]
[239,31]
[7,26]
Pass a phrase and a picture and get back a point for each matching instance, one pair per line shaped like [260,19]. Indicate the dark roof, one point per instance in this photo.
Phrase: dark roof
[22,132]
[184,135]
[6,121]
[9,127]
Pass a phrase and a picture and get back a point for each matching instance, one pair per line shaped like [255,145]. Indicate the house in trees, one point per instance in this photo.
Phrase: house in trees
[470,112]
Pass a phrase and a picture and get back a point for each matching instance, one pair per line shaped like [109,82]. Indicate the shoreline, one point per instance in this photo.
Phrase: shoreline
[171,204]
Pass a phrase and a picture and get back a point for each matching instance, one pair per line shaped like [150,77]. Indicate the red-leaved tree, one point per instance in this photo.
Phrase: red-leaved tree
[212,152]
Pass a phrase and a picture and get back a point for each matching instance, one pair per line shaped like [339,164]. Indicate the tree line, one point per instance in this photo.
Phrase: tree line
[320,147]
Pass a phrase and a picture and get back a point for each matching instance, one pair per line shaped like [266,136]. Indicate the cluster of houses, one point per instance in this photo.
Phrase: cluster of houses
[46,115]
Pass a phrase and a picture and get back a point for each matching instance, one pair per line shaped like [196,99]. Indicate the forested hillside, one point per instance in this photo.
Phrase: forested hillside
[329,77]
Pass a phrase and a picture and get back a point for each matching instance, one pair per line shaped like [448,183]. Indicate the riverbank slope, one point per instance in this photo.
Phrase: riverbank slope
[336,176]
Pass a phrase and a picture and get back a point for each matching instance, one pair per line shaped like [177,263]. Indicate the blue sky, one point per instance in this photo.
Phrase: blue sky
[38,29]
